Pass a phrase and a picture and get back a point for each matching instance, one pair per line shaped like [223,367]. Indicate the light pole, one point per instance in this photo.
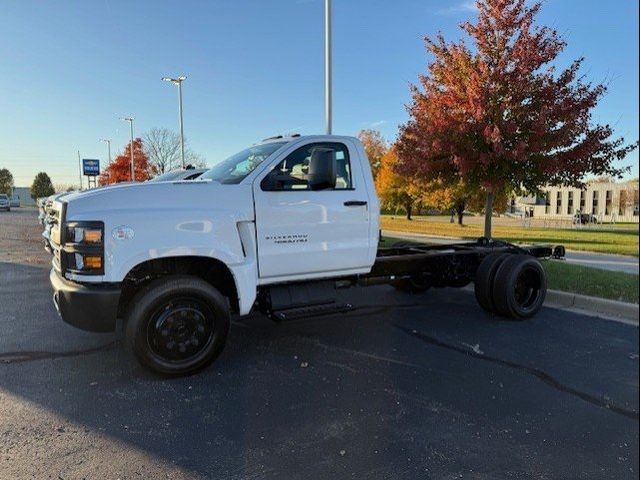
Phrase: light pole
[130,120]
[178,81]
[108,142]
[327,65]
[79,169]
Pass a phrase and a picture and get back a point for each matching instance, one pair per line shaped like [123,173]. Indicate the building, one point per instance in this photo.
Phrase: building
[24,194]
[606,201]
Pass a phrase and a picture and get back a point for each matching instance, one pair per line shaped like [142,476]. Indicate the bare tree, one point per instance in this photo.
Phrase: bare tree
[162,146]
[195,159]
[628,198]
[65,187]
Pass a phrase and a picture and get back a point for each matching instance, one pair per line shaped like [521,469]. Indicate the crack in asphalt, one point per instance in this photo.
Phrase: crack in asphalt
[541,375]
[21,357]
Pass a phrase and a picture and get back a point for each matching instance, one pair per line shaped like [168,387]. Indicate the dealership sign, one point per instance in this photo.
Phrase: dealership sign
[90,167]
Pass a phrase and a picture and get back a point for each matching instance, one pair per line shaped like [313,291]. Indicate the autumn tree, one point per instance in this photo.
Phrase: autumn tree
[454,195]
[162,146]
[395,190]
[119,170]
[6,181]
[446,197]
[42,186]
[375,146]
[500,115]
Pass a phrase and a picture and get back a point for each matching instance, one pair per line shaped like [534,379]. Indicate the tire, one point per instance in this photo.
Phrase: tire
[485,275]
[520,287]
[177,325]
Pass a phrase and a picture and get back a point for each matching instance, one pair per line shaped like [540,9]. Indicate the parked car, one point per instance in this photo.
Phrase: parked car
[278,227]
[5,203]
[179,175]
[15,201]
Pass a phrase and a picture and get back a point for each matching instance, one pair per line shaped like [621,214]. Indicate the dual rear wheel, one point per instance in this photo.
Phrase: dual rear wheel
[511,285]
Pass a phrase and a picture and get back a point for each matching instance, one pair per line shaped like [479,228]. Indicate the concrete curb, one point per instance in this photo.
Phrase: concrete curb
[593,306]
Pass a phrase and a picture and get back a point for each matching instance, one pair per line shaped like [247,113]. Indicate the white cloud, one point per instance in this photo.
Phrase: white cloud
[464,7]
[379,123]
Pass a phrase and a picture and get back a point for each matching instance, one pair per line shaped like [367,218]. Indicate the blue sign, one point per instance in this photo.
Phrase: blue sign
[90,167]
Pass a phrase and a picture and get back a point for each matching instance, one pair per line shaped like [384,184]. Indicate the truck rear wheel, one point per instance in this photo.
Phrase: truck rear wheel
[484,281]
[520,287]
[177,325]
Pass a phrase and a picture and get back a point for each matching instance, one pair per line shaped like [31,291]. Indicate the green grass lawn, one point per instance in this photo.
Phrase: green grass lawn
[592,281]
[568,277]
[622,242]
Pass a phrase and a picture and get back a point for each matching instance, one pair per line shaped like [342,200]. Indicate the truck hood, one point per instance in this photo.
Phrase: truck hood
[154,198]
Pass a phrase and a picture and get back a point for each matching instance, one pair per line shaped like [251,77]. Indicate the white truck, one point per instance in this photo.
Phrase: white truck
[278,227]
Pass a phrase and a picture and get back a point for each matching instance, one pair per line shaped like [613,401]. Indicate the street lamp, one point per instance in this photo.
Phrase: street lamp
[108,142]
[327,66]
[130,120]
[178,81]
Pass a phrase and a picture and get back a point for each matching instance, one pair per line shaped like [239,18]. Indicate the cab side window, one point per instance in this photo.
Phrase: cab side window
[292,172]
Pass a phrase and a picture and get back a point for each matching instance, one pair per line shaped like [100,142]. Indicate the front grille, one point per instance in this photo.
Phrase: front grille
[52,225]
[54,213]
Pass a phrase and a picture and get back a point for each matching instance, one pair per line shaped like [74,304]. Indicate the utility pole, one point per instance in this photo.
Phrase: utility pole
[178,81]
[80,169]
[130,120]
[327,66]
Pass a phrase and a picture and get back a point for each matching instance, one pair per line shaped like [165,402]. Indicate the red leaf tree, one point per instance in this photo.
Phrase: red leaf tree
[500,116]
[119,170]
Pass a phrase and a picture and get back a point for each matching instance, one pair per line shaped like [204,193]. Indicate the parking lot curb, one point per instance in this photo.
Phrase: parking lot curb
[612,309]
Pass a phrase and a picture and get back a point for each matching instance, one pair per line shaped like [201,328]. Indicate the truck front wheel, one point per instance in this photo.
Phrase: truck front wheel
[177,325]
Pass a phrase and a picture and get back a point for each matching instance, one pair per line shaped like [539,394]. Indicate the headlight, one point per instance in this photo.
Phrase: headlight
[84,248]
[83,233]
[87,262]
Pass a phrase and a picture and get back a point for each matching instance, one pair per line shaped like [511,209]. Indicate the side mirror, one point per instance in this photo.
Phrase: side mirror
[322,169]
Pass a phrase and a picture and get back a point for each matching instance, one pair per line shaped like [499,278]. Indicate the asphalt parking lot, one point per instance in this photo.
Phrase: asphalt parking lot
[404,386]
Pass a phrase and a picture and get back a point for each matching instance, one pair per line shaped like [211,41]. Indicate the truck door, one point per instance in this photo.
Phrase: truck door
[311,232]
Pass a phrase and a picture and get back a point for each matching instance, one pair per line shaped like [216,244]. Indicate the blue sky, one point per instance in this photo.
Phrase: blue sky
[70,69]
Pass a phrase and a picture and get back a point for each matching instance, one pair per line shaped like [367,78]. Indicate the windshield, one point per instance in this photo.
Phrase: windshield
[3,197]
[238,166]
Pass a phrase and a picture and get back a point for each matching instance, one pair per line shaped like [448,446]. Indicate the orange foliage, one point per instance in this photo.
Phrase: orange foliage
[395,190]
[119,170]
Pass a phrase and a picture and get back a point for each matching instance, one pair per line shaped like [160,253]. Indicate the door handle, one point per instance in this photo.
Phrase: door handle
[355,203]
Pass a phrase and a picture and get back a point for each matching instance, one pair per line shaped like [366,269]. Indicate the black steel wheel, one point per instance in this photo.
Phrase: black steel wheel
[177,325]
[484,280]
[520,287]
